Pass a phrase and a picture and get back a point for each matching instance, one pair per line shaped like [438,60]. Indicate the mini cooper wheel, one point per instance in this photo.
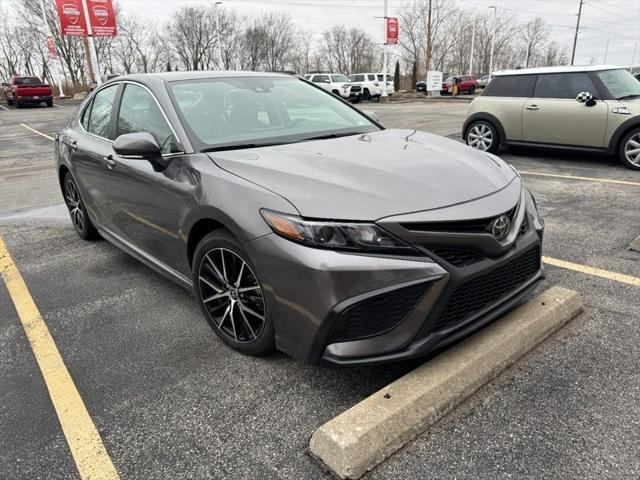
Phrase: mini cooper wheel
[482,136]
[79,217]
[230,295]
[629,151]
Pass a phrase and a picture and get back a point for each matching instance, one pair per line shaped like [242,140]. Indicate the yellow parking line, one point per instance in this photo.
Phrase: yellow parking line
[36,131]
[89,453]
[597,272]
[573,177]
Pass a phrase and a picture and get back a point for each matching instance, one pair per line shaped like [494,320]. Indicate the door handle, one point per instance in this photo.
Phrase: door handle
[111,163]
[74,145]
[532,107]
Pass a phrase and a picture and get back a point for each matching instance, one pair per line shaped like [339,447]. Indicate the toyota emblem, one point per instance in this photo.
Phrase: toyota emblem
[500,227]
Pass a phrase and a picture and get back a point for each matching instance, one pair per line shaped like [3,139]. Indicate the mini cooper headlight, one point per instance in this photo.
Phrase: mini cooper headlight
[336,235]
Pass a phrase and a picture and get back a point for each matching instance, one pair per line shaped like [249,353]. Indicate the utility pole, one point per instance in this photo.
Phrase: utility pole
[606,51]
[429,46]
[215,13]
[633,58]
[575,37]
[385,56]
[473,40]
[493,34]
[50,34]
[90,49]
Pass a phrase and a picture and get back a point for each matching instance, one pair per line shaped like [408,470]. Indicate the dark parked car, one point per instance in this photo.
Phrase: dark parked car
[300,223]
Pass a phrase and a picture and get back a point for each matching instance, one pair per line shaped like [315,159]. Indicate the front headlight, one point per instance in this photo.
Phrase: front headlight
[532,207]
[336,235]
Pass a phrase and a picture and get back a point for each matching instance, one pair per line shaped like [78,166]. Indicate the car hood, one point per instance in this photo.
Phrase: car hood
[370,176]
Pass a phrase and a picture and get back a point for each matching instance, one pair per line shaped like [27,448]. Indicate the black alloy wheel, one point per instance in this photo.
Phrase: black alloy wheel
[230,295]
[77,211]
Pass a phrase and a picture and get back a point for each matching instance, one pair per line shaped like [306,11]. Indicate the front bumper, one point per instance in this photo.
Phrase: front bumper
[308,292]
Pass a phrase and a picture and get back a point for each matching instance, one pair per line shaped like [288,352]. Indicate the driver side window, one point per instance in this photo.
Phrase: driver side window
[139,112]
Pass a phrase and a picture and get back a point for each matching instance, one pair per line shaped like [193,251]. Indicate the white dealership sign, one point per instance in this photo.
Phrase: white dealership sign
[434,81]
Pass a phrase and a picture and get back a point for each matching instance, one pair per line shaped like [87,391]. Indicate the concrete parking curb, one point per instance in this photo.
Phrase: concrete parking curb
[366,434]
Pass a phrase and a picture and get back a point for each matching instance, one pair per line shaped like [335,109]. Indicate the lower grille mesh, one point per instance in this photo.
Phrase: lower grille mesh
[456,257]
[377,314]
[472,296]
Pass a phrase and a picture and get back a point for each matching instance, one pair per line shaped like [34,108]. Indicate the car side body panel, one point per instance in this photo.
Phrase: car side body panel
[506,110]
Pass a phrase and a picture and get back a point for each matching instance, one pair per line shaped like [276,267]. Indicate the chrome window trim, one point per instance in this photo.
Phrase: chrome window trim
[90,103]
[118,83]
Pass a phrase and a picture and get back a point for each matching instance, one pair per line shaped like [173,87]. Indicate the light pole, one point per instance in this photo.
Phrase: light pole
[473,40]
[50,34]
[493,34]
[606,51]
[385,56]
[215,13]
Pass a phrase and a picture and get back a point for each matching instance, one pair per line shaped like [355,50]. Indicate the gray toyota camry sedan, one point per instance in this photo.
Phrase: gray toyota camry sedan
[299,222]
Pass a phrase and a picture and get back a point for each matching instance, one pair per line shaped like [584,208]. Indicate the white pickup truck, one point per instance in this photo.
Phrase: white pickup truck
[338,84]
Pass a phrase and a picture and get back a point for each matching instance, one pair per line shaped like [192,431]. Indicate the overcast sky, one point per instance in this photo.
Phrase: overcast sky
[617,20]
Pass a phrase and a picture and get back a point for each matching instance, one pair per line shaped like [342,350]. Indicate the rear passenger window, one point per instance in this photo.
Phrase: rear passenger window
[510,86]
[100,112]
[563,85]
[371,77]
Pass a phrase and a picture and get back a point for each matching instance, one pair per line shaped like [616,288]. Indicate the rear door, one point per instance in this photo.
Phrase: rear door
[554,116]
[90,144]
[322,81]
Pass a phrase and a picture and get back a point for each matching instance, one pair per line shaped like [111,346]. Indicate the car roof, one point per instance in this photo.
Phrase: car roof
[198,75]
[560,69]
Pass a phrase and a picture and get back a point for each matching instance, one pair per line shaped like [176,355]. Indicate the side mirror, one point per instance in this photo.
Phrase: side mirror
[371,115]
[140,145]
[586,98]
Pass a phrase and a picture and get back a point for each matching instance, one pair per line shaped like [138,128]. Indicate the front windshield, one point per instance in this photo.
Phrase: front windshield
[620,83]
[253,111]
[339,78]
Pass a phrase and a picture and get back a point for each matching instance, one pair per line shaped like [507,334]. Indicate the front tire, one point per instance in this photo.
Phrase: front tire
[483,136]
[77,211]
[9,102]
[366,94]
[230,295]
[629,150]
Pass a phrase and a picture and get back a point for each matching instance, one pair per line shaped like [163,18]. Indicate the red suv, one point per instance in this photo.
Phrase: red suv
[466,83]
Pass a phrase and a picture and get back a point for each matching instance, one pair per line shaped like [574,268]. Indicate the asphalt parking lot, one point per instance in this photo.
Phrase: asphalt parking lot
[169,401]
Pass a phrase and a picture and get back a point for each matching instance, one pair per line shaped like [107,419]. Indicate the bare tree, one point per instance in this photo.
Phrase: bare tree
[348,50]
[534,34]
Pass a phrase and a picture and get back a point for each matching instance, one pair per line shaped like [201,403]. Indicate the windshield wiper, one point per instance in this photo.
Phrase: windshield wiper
[332,135]
[240,146]
[626,97]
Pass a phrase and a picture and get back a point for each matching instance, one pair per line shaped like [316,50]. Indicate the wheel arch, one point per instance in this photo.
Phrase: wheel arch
[487,117]
[621,132]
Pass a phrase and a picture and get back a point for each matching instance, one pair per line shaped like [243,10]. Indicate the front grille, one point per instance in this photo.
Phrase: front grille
[377,314]
[355,89]
[470,297]
[456,257]
[481,225]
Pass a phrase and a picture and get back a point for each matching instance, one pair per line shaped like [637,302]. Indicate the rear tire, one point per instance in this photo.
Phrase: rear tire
[9,102]
[230,294]
[473,90]
[483,136]
[49,103]
[77,210]
[629,150]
